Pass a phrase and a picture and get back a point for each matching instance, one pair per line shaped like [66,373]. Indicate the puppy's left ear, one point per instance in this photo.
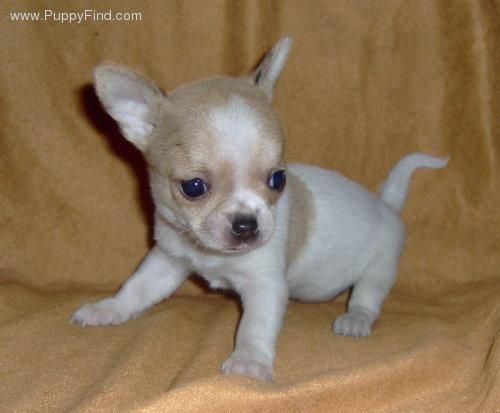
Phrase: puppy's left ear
[270,69]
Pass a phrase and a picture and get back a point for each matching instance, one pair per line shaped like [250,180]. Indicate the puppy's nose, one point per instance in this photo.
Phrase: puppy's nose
[245,227]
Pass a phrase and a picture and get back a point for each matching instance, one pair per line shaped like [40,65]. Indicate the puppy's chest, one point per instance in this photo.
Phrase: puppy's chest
[217,270]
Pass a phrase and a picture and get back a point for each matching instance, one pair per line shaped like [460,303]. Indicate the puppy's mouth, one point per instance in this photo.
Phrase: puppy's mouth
[246,245]
[231,245]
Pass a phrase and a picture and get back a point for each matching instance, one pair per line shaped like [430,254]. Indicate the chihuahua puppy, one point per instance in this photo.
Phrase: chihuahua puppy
[228,208]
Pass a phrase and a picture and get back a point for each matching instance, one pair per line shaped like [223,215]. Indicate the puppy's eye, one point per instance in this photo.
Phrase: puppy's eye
[277,180]
[194,188]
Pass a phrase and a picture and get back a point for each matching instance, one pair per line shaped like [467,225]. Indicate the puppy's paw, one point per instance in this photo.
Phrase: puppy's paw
[246,366]
[105,312]
[355,324]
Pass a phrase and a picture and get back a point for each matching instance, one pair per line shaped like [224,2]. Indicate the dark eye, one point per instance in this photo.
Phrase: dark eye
[277,180]
[194,188]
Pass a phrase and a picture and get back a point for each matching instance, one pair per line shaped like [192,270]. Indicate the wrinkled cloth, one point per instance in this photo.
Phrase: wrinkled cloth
[367,83]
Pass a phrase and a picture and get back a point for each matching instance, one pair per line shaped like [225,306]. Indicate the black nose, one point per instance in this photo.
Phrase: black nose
[245,227]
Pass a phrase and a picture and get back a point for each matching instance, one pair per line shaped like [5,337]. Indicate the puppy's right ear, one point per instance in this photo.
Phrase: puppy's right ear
[129,99]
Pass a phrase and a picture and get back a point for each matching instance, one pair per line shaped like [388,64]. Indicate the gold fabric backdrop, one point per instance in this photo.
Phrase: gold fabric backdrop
[367,83]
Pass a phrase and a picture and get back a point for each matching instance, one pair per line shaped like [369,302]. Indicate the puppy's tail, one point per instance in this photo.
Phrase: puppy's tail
[394,190]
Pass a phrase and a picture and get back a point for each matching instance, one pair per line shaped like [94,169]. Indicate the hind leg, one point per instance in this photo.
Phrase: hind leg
[367,297]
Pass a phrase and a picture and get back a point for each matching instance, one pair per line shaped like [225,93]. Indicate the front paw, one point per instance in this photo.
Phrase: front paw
[353,324]
[247,366]
[105,312]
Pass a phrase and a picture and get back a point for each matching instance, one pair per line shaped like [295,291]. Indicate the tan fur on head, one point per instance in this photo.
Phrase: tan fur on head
[189,142]
[223,131]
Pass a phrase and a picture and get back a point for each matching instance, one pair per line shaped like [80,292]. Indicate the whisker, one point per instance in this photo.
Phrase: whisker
[185,230]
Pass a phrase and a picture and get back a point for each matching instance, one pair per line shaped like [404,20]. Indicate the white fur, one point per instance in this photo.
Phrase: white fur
[245,199]
[147,287]
[354,237]
[394,190]
[133,115]
[237,127]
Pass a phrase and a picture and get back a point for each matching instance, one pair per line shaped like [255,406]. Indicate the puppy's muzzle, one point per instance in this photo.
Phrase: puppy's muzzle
[245,227]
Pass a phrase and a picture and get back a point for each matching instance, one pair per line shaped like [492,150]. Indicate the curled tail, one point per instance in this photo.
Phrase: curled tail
[394,190]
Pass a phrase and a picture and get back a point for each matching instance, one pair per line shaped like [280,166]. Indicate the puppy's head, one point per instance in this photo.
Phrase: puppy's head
[213,148]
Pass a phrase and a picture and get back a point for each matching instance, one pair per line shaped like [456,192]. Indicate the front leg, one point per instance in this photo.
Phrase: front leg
[264,302]
[156,278]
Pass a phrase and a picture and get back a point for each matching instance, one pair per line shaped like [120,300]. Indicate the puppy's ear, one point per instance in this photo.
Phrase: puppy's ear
[271,67]
[129,99]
